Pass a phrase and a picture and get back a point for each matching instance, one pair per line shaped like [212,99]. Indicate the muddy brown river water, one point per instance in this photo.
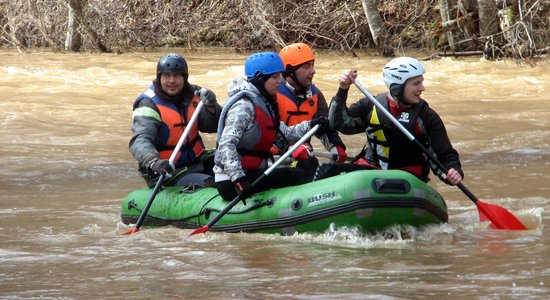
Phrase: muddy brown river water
[65,167]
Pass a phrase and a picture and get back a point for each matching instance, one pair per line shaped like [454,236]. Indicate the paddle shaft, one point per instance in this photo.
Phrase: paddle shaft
[162,177]
[413,139]
[329,155]
[234,202]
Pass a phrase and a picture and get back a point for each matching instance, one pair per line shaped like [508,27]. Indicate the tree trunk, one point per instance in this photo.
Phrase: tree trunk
[488,18]
[506,21]
[489,26]
[467,7]
[377,27]
[444,11]
[10,28]
[73,39]
[41,23]
[82,22]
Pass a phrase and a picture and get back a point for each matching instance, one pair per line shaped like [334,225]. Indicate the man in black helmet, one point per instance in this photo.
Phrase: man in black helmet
[160,116]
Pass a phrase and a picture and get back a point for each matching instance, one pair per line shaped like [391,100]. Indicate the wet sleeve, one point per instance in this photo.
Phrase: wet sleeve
[209,117]
[239,118]
[441,143]
[145,124]
[293,133]
[331,138]
[343,120]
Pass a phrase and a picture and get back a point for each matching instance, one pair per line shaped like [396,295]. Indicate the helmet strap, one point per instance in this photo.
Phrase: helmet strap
[258,81]
[295,82]
[396,91]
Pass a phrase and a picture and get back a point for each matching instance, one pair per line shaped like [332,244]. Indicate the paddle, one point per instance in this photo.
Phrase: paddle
[233,202]
[499,217]
[329,155]
[163,176]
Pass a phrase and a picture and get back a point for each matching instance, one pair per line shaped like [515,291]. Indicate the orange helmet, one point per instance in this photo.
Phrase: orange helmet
[296,54]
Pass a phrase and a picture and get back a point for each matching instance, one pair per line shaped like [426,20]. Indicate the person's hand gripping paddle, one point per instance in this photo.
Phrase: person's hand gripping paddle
[233,202]
[499,217]
[163,176]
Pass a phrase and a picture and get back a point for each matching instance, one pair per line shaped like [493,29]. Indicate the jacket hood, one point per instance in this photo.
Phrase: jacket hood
[241,85]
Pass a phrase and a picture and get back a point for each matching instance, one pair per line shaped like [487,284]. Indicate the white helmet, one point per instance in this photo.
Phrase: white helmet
[400,69]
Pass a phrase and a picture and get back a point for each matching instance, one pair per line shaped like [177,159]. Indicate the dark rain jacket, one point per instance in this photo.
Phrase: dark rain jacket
[356,119]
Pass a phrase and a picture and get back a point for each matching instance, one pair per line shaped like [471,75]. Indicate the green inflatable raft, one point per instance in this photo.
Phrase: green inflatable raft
[370,200]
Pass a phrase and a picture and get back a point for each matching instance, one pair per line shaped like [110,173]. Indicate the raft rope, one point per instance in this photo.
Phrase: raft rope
[271,201]
[205,211]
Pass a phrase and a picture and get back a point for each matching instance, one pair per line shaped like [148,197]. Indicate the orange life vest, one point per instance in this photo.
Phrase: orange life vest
[294,111]
[172,127]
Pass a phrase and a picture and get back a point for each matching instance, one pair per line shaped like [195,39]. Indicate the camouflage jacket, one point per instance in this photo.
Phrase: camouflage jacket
[241,117]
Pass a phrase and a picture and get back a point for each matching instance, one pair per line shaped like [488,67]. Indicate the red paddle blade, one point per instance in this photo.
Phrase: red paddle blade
[203,229]
[499,217]
[134,230]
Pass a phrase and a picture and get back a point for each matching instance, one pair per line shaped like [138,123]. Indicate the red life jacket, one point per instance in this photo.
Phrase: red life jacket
[255,143]
[251,159]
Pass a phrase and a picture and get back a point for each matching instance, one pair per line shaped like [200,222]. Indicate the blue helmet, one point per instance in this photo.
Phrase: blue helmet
[265,63]
[172,63]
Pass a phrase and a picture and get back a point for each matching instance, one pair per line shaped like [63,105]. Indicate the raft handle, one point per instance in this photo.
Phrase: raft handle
[271,202]
[391,186]
[132,205]
[296,204]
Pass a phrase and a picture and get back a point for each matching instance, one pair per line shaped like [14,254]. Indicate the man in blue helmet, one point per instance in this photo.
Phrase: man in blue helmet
[249,126]
[160,116]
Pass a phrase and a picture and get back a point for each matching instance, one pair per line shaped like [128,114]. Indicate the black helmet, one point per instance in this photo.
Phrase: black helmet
[172,63]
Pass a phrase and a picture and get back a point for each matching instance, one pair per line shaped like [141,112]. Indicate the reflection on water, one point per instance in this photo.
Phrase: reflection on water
[65,127]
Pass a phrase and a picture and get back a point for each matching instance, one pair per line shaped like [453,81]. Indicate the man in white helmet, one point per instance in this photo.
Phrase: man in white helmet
[387,147]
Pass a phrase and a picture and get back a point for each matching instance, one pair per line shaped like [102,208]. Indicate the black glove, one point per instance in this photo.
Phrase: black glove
[206,96]
[163,167]
[323,122]
[244,188]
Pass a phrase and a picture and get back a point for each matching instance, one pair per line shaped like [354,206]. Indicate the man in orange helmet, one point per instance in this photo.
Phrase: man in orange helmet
[299,100]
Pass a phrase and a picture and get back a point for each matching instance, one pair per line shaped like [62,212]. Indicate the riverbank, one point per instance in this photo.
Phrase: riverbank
[386,27]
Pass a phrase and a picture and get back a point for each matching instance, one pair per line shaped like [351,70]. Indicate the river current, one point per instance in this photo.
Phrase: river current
[65,167]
